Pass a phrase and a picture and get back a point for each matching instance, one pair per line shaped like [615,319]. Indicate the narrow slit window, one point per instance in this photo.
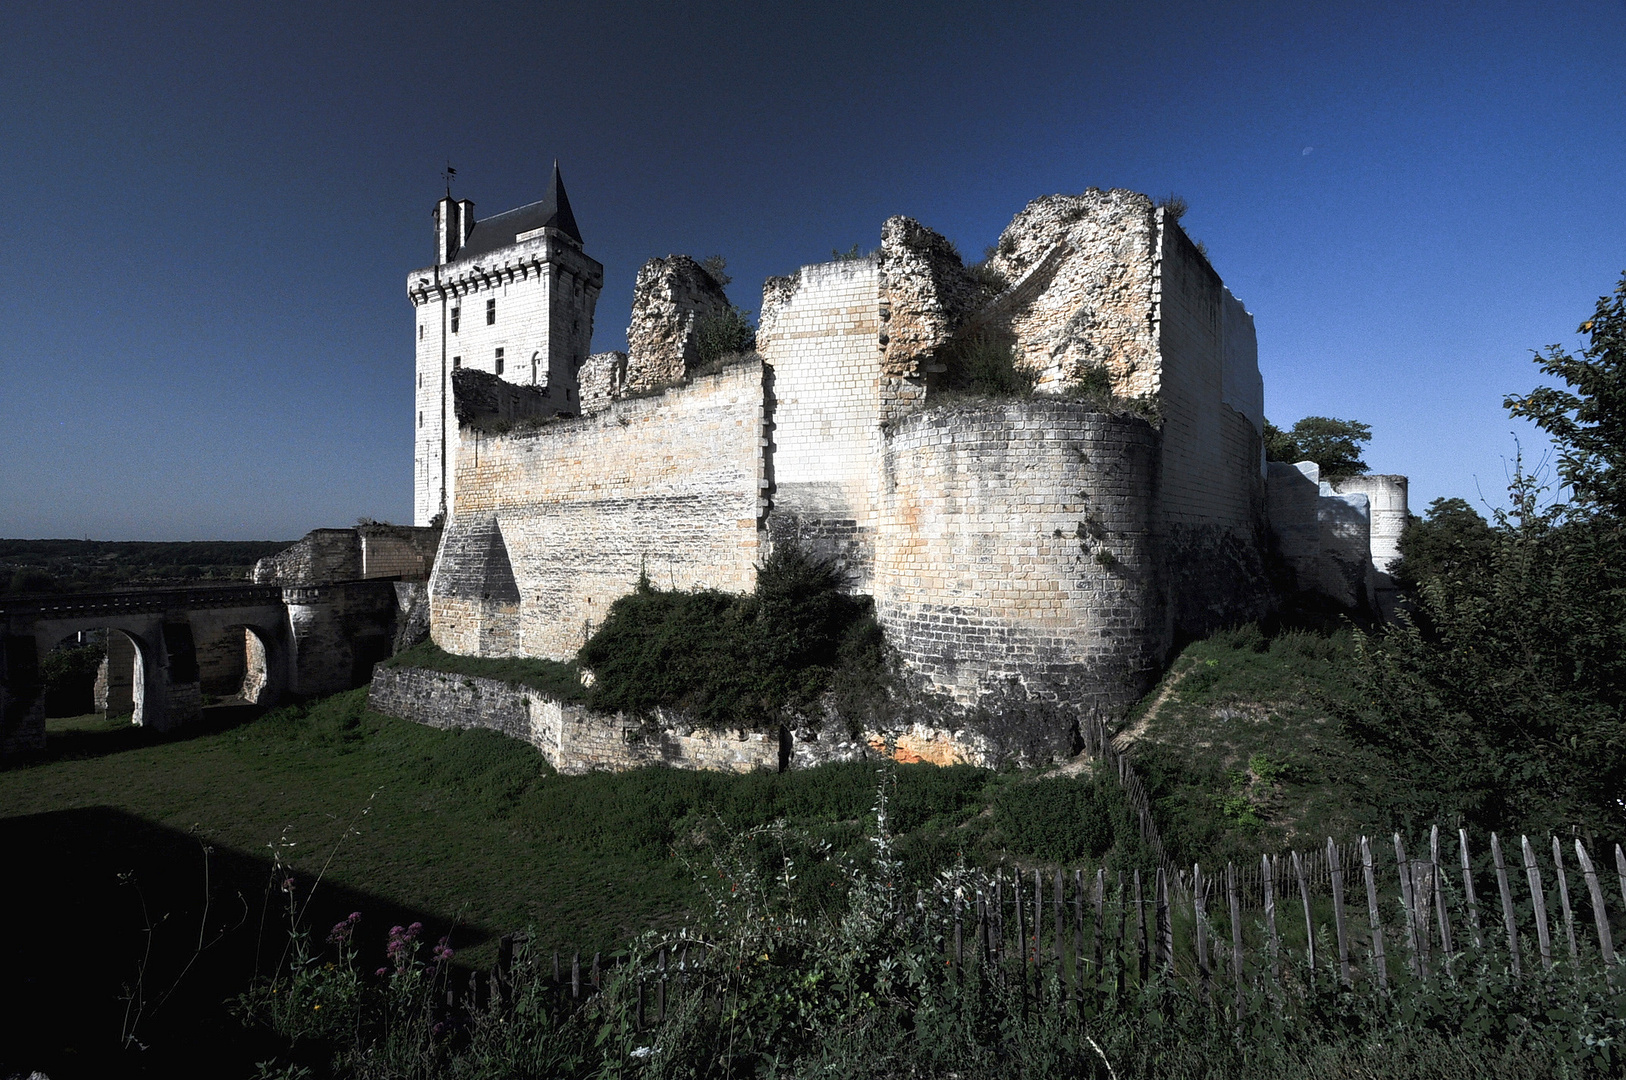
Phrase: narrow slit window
[491,312]
[420,419]
[457,317]
[499,361]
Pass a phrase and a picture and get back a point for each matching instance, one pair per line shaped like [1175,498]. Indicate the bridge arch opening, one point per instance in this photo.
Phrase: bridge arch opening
[102,670]
[241,666]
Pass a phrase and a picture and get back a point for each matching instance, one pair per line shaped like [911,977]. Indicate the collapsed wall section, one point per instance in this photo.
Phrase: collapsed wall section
[554,523]
[1015,546]
[1081,275]
[820,332]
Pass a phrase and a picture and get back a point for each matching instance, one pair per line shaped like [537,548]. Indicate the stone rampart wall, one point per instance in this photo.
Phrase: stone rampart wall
[820,332]
[573,738]
[1015,543]
[553,525]
[1210,473]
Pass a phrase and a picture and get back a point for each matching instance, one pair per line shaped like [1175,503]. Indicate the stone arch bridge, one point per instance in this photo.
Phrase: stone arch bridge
[167,648]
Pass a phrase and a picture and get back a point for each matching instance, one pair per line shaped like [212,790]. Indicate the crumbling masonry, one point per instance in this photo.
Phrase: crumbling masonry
[1053,546]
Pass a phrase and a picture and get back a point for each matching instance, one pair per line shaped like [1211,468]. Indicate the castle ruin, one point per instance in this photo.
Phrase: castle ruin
[1055,544]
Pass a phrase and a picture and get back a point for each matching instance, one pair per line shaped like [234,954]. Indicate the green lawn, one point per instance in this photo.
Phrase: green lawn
[467,825]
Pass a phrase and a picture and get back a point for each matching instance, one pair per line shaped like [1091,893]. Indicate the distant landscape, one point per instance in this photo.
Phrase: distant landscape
[52,566]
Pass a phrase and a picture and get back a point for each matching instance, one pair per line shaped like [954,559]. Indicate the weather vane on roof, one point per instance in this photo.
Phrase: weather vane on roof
[449,174]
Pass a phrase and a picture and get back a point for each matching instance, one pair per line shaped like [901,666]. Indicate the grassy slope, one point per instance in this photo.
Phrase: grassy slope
[1240,752]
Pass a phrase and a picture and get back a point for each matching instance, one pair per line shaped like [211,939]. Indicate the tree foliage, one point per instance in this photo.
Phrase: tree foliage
[722,334]
[1587,422]
[1334,445]
[1501,693]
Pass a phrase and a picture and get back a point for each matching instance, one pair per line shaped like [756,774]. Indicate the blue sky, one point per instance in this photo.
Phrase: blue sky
[212,209]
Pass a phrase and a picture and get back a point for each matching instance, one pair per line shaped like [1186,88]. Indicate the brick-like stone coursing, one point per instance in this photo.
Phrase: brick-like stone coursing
[1016,543]
[667,485]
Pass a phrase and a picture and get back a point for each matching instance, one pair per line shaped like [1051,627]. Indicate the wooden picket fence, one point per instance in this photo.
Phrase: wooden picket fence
[1098,744]
[1423,914]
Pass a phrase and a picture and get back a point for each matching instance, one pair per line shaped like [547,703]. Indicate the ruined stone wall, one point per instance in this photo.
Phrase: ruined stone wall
[1210,485]
[669,299]
[1015,542]
[1390,512]
[321,555]
[603,380]
[820,332]
[573,738]
[1081,276]
[554,524]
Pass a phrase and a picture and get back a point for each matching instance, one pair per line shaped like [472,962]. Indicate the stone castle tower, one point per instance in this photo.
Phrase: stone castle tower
[512,295]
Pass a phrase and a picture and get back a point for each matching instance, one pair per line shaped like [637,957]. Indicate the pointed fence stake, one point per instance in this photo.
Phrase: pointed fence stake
[1620,869]
[1564,901]
[1538,901]
[1335,872]
[1078,933]
[999,916]
[1100,899]
[1199,911]
[1442,916]
[1267,874]
[1507,904]
[1468,889]
[1408,902]
[1600,915]
[1236,932]
[1309,924]
[959,932]
[1060,913]
[1165,924]
[1380,963]
[1140,931]
[1123,924]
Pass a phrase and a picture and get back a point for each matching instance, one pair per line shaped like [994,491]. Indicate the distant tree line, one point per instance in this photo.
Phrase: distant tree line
[47,566]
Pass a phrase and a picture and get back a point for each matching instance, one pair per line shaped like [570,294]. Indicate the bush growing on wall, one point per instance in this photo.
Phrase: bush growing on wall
[723,334]
[730,660]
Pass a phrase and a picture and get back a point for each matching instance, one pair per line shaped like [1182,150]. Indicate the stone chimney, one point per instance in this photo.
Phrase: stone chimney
[454,220]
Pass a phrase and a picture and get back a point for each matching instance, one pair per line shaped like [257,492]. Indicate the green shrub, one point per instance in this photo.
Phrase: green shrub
[1058,819]
[725,659]
[983,365]
[721,334]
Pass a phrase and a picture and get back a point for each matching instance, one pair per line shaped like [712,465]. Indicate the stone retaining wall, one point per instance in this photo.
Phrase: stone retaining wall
[573,738]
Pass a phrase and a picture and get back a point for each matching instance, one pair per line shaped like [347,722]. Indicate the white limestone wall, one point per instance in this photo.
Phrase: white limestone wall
[1211,469]
[820,335]
[543,293]
[553,524]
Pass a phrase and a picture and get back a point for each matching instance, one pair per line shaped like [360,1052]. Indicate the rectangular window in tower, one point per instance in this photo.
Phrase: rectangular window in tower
[457,317]
[491,312]
[499,361]
[420,419]
[420,331]
[457,362]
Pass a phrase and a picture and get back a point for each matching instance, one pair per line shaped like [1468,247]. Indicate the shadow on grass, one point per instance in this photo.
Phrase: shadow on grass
[77,738]
[75,885]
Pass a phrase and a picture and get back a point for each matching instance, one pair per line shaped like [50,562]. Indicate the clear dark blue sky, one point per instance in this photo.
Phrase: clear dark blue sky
[210,210]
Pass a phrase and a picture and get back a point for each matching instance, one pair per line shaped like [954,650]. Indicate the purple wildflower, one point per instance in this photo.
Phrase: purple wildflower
[340,934]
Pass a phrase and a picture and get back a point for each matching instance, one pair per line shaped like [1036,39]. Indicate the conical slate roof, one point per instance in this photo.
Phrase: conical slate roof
[500,230]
